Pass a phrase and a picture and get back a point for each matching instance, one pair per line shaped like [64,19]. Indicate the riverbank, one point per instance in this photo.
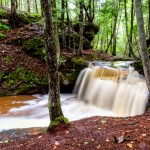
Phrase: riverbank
[92,133]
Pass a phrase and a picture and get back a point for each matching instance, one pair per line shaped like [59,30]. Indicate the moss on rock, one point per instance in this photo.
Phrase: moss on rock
[20,81]
[35,47]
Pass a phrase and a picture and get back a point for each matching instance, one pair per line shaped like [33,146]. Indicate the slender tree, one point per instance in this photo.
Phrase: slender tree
[131,31]
[142,41]
[28,4]
[115,25]
[14,11]
[56,115]
[36,6]
[81,29]
[149,19]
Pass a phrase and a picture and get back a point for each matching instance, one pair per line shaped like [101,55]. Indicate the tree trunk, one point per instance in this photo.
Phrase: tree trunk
[129,38]
[81,27]
[62,23]
[13,11]
[28,4]
[1,2]
[131,29]
[51,53]
[149,19]
[114,27]
[142,42]
[68,24]
[55,28]
[114,45]
[36,7]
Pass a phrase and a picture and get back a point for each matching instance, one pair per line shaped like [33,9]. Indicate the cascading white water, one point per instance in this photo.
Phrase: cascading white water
[124,92]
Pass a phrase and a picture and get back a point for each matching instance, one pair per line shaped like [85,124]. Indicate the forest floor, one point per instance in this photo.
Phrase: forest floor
[104,133]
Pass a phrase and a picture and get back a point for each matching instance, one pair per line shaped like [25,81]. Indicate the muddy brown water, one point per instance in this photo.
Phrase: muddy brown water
[9,102]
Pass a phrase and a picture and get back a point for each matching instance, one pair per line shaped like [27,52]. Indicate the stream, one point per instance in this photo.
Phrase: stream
[24,111]
[31,111]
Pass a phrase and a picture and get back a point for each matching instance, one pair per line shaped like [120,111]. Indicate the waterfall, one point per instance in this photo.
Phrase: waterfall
[124,92]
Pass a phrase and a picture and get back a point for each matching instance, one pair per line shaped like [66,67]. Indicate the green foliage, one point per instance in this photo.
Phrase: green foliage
[8,59]
[58,121]
[2,36]
[3,13]
[35,47]
[28,78]
[30,18]
[1,75]
[4,27]
[63,59]
[79,61]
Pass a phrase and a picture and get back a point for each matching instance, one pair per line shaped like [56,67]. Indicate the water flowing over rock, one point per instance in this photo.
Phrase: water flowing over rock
[122,91]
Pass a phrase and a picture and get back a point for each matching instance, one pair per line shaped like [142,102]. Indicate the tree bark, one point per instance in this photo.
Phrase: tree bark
[114,27]
[14,11]
[55,28]
[36,7]
[114,44]
[28,4]
[62,23]
[142,41]
[81,29]
[51,53]
[131,29]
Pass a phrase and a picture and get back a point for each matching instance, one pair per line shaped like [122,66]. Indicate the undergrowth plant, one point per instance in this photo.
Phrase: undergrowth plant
[4,27]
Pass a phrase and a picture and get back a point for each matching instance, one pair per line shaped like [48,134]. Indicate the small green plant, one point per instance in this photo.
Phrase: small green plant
[1,75]
[4,27]
[2,36]
[8,58]
[78,61]
[3,13]
[35,47]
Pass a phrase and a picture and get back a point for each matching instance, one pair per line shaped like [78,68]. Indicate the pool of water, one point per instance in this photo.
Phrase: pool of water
[31,111]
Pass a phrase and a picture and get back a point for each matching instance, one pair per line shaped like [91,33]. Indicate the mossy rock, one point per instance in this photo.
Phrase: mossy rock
[90,30]
[30,18]
[35,47]
[70,69]
[20,81]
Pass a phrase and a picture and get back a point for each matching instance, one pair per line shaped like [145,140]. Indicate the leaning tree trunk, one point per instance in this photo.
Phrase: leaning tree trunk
[51,53]
[142,41]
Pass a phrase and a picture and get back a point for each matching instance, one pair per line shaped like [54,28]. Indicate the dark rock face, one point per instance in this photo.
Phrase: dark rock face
[90,30]
[148,42]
